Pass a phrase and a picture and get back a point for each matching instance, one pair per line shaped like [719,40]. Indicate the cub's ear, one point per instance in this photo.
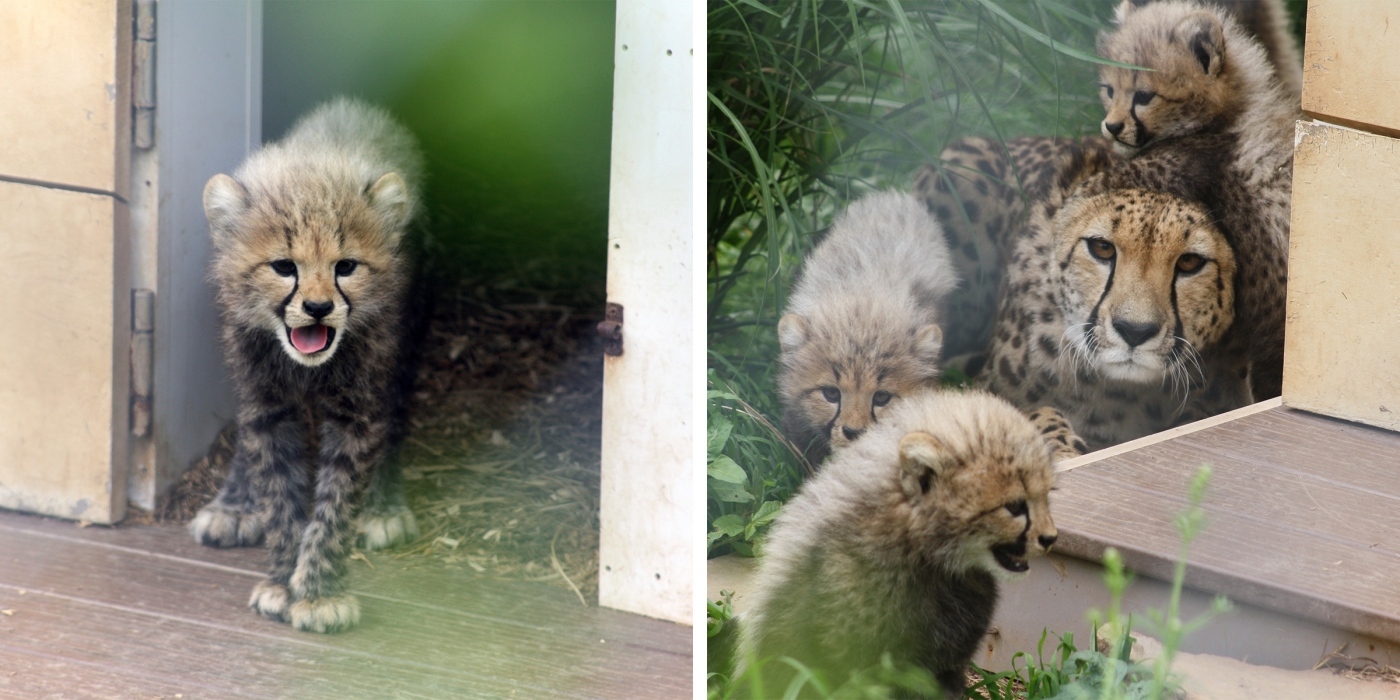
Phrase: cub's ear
[792,332]
[928,343]
[1125,8]
[389,197]
[1203,38]
[224,202]
[922,459]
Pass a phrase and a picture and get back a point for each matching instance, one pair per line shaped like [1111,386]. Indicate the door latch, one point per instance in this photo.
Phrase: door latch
[610,328]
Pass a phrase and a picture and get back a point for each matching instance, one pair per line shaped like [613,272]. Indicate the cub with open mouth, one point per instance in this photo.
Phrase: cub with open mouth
[313,281]
[896,547]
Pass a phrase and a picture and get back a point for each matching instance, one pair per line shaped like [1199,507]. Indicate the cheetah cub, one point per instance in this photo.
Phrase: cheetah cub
[312,278]
[862,323]
[1209,76]
[897,547]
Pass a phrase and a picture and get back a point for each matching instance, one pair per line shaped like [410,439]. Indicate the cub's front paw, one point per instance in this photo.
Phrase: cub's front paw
[326,615]
[219,526]
[387,529]
[270,600]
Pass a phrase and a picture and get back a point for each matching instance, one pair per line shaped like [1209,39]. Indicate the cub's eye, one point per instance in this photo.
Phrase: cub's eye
[831,393]
[284,267]
[1108,89]
[1142,97]
[345,267]
[881,398]
[1189,262]
[1101,249]
[1016,508]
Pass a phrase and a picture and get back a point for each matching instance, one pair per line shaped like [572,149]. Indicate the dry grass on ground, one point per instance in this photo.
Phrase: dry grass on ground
[502,459]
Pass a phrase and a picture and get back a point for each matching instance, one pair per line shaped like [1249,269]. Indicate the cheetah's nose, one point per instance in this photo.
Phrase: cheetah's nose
[1135,334]
[1113,129]
[318,309]
[1047,540]
[850,434]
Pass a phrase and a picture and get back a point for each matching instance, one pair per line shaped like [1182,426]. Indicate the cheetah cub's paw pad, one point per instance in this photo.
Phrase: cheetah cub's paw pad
[384,530]
[217,526]
[326,615]
[270,600]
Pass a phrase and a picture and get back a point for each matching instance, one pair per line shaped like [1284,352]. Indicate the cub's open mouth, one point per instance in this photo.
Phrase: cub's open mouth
[1010,555]
[312,339]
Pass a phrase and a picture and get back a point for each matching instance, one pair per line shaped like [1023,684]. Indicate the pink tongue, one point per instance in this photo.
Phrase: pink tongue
[309,339]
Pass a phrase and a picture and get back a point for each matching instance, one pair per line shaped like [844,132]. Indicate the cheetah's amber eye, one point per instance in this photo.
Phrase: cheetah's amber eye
[1016,508]
[345,267]
[1101,249]
[284,267]
[831,393]
[881,398]
[1142,97]
[1189,262]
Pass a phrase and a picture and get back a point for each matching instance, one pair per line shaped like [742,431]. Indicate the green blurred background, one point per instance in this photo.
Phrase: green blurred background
[511,101]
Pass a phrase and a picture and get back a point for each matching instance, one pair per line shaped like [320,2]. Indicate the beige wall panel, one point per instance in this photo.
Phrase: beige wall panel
[63,352]
[1342,353]
[66,110]
[1351,63]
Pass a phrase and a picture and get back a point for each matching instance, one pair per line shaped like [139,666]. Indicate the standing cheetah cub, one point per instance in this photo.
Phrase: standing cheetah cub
[862,323]
[312,277]
[897,547]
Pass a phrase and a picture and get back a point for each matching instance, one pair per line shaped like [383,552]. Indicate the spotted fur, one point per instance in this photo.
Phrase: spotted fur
[310,232]
[897,546]
[862,323]
[1121,304]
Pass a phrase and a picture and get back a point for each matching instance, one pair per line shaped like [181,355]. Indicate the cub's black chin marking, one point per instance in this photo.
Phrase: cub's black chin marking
[1010,556]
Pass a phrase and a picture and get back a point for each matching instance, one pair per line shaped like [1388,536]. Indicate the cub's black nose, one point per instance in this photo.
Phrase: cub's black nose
[1047,540]
[1115,128]
[318,309]
[1135,334]
[850,434]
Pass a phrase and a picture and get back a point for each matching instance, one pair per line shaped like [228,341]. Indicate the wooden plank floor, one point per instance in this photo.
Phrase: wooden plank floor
[1303,515]
[144,612]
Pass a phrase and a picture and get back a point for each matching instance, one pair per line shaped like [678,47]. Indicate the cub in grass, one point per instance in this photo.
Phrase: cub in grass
[862,323]
[898,545]
[313,284]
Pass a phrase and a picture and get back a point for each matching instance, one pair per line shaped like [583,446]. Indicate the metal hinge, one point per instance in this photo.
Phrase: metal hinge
[143,359]
[143,76]
[610,328]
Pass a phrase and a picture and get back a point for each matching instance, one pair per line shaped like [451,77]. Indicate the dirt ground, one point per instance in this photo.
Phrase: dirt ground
[502,460]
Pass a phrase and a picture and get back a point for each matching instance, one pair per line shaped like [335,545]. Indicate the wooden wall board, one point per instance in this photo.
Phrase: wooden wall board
[66,113]
[1351,63]
[129,597]
[64,358]
[1342,346]
[1301,516]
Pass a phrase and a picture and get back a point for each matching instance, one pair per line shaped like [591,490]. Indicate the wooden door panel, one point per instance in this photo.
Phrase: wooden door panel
[64,349]
[66,113]
[1350,71]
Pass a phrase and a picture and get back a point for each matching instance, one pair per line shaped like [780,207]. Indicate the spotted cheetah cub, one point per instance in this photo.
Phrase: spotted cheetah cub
[312,278]
[897,547]
[1209,76]
[862,323]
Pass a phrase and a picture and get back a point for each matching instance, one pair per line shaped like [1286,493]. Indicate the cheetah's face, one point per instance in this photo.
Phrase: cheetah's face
[845,384]
[1147,283]
[307,269]
[1183,93]
[996,499]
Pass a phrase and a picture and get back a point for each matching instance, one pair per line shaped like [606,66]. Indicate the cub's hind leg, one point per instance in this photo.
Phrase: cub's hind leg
[385,519]
[233,518]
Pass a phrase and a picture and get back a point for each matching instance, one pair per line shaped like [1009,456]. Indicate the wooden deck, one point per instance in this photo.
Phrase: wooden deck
[1303,515]
[144,612]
